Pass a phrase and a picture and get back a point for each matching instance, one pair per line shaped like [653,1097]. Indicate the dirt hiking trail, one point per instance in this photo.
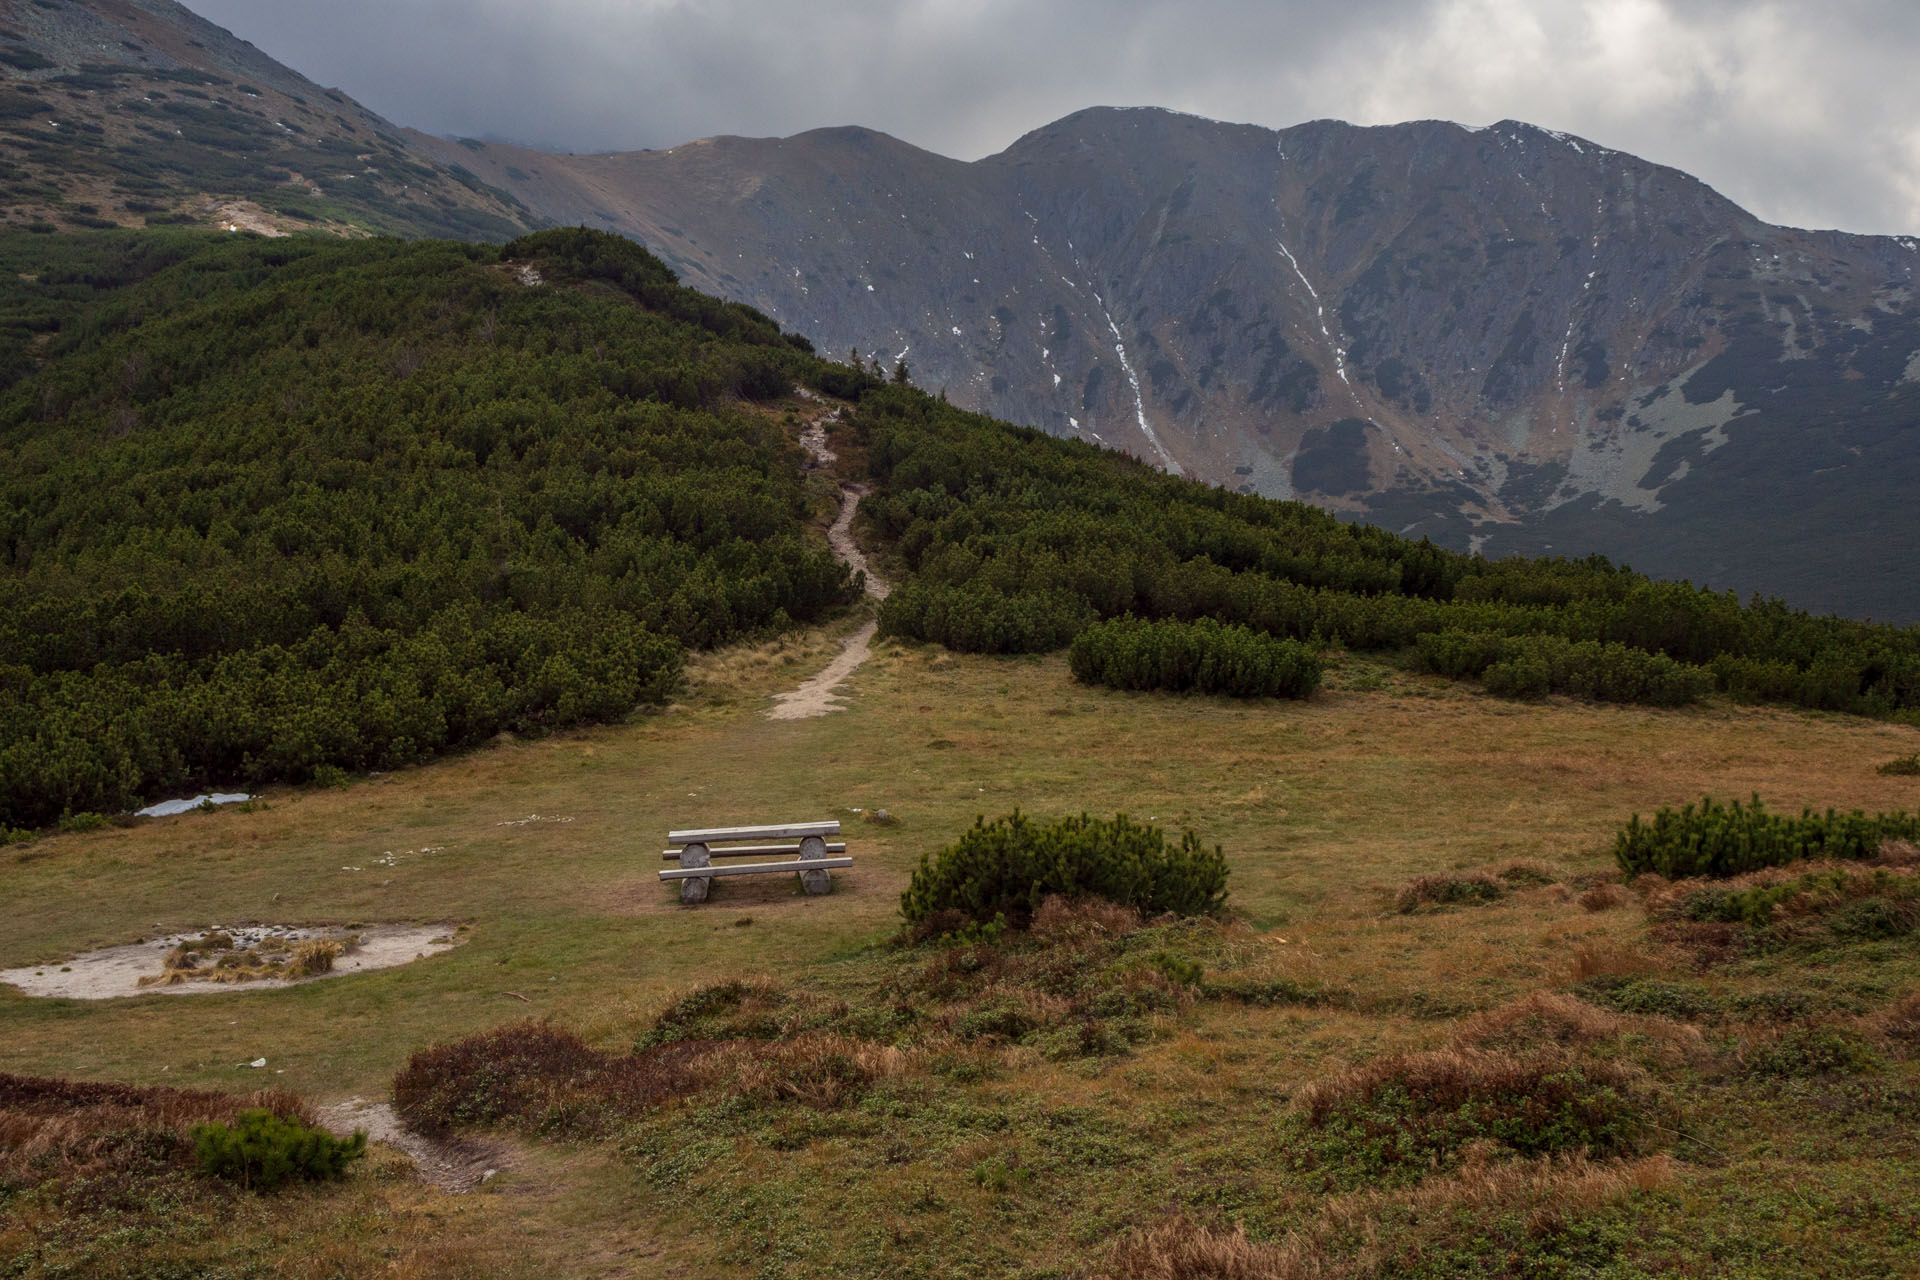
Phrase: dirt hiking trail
[454,1164]
[818,696]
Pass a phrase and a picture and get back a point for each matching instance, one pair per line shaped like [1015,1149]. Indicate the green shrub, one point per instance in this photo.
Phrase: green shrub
[1202,656]
[263,1152]
[84,822]
[1007,867]
[1814,1051]
[1527,666]
[1716,839]
[1652,997]
[1904,767]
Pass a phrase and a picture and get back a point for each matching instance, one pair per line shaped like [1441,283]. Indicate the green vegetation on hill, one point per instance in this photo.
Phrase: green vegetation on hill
[273,508]
[106,142]
[1015,542]
[1733,839]
[276,509]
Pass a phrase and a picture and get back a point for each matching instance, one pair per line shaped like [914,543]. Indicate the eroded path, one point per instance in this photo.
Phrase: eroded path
[452,1164]
[819,695]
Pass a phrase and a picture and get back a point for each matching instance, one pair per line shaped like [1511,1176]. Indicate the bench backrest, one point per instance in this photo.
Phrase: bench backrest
[784,831]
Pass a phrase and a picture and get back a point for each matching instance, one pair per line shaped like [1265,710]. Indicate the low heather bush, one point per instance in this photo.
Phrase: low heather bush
[1470,888]
[1424,1109]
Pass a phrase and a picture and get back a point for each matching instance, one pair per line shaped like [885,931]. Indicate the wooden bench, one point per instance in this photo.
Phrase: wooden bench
[696,850]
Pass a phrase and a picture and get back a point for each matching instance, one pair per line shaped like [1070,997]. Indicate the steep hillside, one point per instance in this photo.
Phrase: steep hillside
[1507,338]
[275,509]
[132,112]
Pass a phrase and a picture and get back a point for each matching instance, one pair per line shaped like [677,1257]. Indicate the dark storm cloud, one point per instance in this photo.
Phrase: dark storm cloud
[1805,112]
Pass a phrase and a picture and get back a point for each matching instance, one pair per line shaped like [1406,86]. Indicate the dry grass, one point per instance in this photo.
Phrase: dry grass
[1606,958]
[1604,897]
[1061,920]
[231,965]
[63,1128]
[1898,1025]
[822,1070]
[1357,1236]
[1898,853]
[1553,1020]
[1447,1078]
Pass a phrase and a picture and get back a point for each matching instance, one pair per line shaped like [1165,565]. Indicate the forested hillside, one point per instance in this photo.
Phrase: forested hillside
[270,510]
[273,508]
[1017,541]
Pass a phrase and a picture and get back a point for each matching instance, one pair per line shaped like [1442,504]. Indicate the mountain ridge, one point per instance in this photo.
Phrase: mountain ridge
[1508,338]
[1492,335]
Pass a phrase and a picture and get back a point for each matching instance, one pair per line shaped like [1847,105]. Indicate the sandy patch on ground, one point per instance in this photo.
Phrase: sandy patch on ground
[116,971]
[451,1164]
[818,696]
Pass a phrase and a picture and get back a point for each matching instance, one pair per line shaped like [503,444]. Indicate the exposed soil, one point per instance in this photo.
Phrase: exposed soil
[818,695]
[452,1164]
[116,971]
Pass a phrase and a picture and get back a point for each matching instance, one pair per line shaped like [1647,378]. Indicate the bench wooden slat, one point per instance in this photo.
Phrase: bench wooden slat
[756,868]
[730,851]
[791,831]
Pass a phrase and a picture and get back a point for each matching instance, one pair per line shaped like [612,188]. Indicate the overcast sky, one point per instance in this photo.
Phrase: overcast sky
[1804,111]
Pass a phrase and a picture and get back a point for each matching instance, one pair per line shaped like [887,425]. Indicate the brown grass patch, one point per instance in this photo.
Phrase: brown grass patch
[1605,958]
[1065,920]
[1898,853]
[50,1127]
[1553,1019]
[1604,897]
[1360,1235]
[1898,1025]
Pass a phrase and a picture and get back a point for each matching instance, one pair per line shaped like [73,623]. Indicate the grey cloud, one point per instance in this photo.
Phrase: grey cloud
[1804,113]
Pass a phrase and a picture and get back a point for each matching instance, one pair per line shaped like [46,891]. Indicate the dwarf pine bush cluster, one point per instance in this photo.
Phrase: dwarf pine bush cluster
[1016,541]
[274,509]
[1714,839]
[1006,868]
[1202,656]
[1533,665]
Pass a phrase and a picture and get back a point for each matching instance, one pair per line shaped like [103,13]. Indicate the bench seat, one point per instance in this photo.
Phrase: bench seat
[756,868]
[698,848]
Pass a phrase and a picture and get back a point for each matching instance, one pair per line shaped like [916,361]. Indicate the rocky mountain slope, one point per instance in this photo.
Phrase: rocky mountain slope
[133,112]
[1508,338]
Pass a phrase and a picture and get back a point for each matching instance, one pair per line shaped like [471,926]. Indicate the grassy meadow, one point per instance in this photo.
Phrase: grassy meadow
[547,851]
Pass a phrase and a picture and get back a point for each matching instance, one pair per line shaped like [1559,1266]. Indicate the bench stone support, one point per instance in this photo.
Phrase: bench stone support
[694,888]
[817,880]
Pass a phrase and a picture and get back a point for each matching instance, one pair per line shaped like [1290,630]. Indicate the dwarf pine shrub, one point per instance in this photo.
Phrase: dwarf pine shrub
[1009,866]
[263,1151]
[1202,655]
[1714,839]
[1527,666]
